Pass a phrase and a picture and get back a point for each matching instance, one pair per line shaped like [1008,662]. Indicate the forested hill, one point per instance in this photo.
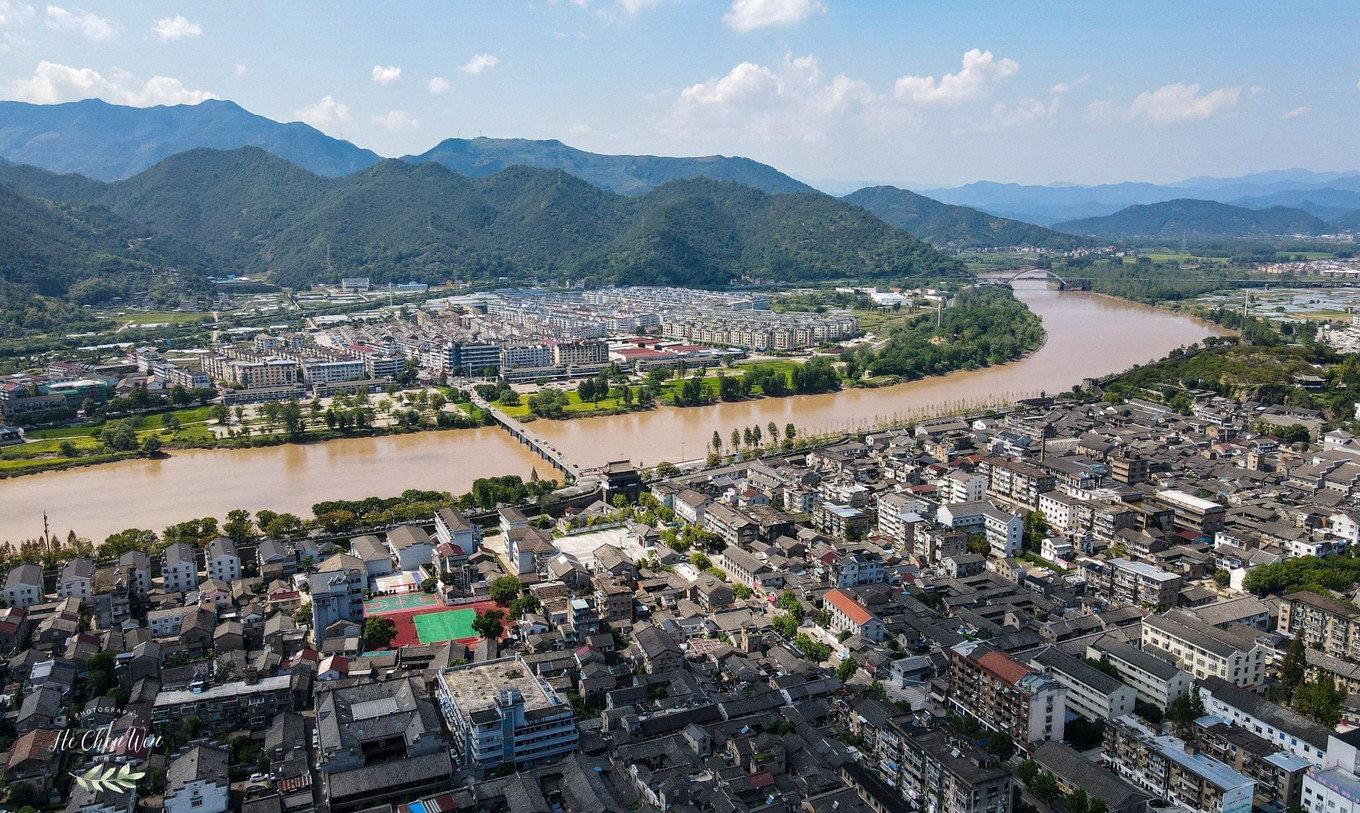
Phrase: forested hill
[955,227]
[624,174]
[252,212]
[106,141]
[1204,218]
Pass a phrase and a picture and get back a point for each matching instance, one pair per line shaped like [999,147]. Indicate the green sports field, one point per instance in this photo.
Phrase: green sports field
[450,625]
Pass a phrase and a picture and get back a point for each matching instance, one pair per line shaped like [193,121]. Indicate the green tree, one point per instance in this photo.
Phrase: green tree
[524,605]
[151,446]
[238,525]
[785,624]
[488,624]
[1077,801]
[1001,745]
[1045,788]
[1321,700]
[1027,771]
[1295,666]
[170,423]
[716,443]
[846,669]
[119,436]
[67,449]
[1183,712]
[379,632]
[429,584]
[505,590]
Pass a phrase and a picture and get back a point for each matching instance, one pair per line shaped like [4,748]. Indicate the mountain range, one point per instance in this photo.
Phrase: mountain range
[1176,219]
[1049,205]
[247,211]
[956,227]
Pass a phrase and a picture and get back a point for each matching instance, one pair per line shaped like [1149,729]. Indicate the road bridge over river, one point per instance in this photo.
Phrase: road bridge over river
[530,438]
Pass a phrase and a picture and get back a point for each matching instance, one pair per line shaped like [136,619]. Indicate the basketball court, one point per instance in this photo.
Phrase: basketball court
[421,618]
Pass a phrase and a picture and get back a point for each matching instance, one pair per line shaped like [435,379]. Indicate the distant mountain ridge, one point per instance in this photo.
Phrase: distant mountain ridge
[1048,205]
[254,212]
[1198,218]
[623,174]
[109,142]
[957,227]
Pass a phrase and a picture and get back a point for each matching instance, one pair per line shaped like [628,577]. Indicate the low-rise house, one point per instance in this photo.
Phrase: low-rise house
[179,568]
[451,527]
[136,568]
[24,586]
[374,554]
[1071,771]
[196,781]
[221,559]
[76,580]
[410,546]
[848,615]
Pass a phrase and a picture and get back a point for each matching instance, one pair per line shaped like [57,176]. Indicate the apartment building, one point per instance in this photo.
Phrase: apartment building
[570,354]
[1160,763]
[221,560]
[732,525]
[1071,770]
[1206,651]
[1002,530]
[24,586]
[858,568]
[337,589]
[1191,512]
[227,706]
[1278,775]
[1004,694]
[841,521]
[1091,693]
[499,713]
[1322,622]
[1129,582]
[1153,680]
[897,517]
[949,774]
[1018,482]
[1284,728]
[1335,788]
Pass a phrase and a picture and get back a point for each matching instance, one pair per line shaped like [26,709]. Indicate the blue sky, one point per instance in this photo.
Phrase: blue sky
[909,92]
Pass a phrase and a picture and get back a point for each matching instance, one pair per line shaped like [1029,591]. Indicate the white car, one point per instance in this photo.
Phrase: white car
[257,777]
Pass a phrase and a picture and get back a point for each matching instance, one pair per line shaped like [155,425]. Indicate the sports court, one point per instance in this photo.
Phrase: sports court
[450,625]
[382,605]
[421,618]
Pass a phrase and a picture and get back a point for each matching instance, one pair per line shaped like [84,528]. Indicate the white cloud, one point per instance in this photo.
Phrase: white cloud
[240,69]
[397,121]
[1179,102]
[89,24]
[12,15]
[480,63]
[635,7]
[766,103]
[386,75]
[52,83]
[1023,111]
[1296,112]
[438,85]
[1064,87]
[326,113]
[749,15]
[170,29]
[975,80]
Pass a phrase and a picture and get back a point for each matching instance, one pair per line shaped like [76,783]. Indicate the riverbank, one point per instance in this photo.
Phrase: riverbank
[1088,337]
[984,327]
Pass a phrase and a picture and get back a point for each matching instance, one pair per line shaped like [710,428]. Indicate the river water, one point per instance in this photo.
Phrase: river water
[1088,336]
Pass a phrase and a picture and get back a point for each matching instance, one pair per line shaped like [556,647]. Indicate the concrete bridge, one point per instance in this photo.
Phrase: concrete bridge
[533,440]
[1073,284]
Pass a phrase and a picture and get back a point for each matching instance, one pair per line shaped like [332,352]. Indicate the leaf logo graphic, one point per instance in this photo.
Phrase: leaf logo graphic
[109,778]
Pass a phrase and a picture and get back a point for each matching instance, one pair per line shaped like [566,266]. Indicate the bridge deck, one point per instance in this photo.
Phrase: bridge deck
[533,440]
